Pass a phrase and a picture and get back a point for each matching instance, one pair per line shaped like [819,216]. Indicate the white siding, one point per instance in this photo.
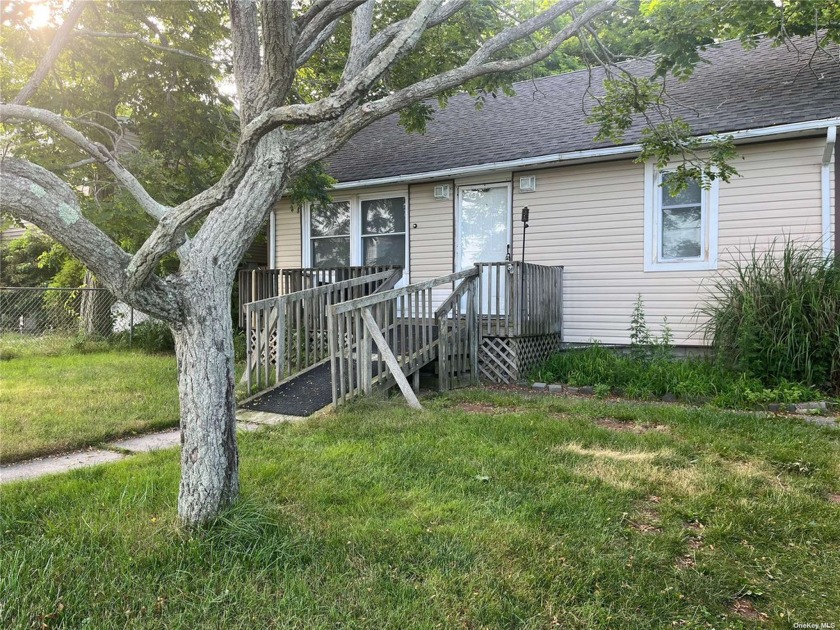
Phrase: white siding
[432,241]
[590,218]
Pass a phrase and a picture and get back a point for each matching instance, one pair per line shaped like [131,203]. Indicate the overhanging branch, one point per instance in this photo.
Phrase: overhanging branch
[321,140]
[62,36]
[95,150]
[32,193]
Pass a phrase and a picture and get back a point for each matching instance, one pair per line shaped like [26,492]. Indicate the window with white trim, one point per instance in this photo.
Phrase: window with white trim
[362,230]
[680,229]
[383,231]
[329,234]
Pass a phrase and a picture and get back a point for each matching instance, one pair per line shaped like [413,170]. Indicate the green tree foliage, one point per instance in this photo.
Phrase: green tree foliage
[121,81]
[677,32]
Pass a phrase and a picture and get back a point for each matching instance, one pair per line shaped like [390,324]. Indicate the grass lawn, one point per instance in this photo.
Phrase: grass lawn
[486,509]
[54,397]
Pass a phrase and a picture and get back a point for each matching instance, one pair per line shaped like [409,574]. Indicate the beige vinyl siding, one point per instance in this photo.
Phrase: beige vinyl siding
[287,234]
[590,218]
[432,241]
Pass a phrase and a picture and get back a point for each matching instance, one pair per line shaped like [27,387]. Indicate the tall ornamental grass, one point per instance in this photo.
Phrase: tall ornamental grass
[776,315]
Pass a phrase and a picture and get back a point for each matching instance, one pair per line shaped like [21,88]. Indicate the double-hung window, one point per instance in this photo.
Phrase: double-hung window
[681,228]
[363,230]
[329,234]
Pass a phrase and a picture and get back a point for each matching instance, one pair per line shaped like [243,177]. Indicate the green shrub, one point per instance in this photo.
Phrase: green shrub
[648,369]
[697,379]
[149,336]
[776,316]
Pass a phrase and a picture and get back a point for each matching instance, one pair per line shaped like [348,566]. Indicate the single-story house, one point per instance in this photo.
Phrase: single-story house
[482,296]
[438,202]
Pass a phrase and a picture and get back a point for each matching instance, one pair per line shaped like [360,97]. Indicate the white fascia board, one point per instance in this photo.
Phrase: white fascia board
[582,156]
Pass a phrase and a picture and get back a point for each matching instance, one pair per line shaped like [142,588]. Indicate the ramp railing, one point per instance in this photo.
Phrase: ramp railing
[287,334]
[406,333]
[260,284]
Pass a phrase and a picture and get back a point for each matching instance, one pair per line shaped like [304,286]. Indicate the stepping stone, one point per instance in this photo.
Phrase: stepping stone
[265,417]
[150,442]
[56,464]
[247,426]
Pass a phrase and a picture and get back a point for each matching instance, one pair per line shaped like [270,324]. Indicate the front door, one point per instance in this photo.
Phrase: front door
[483,230]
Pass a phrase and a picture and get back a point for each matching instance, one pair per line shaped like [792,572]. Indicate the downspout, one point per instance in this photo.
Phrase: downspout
[825,185]
[272,234]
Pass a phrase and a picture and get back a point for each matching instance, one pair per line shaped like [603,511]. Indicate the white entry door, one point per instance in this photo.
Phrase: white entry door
[483,230]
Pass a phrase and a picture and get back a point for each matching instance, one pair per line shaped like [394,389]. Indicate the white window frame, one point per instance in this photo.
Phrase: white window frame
[306,249]
[356,249]
[708,259]
[371,197]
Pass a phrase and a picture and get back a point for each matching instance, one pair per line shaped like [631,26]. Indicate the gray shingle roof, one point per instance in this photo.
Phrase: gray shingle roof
[738,89]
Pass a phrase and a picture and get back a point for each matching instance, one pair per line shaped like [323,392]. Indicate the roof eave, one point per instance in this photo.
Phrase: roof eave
[775,132]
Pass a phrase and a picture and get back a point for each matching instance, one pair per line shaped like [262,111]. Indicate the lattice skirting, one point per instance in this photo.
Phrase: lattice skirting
[272,348]
[508,360]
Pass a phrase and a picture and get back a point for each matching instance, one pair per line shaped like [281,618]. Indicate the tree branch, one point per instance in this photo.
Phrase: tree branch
[62,36]
[381,39]
[278,69]
[319,141]
[319,41]
[359,36]
[96,150]
[323,15]
[138,38]
[33,194]
[246,55]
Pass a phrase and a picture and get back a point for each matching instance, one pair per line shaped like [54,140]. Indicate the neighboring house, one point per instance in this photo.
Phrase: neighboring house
[13,232]
[438,202]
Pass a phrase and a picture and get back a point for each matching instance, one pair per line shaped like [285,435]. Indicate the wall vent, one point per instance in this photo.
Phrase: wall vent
[528,184]
[442,192]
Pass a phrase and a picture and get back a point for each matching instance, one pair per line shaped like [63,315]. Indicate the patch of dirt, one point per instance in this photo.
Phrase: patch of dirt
[482,408]
[686,562]
[696,526]
[834,498]
[646,521]
[645,528]
[744,609]
[695,542]
[613,424]
[607,453]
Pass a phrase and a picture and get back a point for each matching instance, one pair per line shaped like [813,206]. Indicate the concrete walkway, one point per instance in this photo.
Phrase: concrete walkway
[120,449]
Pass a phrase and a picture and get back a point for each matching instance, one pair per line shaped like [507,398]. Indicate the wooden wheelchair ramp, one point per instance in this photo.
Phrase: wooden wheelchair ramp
[315,347]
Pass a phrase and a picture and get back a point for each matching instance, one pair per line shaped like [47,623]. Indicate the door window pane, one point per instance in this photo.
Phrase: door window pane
[383,216]
[483,225]
[385,250]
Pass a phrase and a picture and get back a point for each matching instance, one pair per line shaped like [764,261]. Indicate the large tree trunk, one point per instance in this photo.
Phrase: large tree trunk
[95,317]
[204,347]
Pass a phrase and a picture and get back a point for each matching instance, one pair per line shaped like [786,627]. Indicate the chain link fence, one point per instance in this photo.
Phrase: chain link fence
[88,311]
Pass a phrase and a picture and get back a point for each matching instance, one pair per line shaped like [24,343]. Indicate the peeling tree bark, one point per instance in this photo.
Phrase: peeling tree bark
[204,347]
